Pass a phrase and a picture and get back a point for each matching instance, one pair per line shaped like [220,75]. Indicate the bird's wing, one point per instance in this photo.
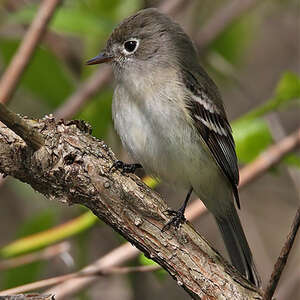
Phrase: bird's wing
[207,113]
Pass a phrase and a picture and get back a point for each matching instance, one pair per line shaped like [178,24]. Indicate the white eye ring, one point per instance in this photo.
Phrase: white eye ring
[130,46]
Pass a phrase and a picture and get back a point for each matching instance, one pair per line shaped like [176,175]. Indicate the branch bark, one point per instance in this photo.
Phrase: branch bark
[72,167]
[32,138]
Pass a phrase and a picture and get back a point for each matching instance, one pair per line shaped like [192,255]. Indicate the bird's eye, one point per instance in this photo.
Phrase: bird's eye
[130,46]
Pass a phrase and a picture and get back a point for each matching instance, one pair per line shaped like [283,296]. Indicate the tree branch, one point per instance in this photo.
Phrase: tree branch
[282,259]
[32,137]
[44,254]
[28,297]
[73,167]
[80,274]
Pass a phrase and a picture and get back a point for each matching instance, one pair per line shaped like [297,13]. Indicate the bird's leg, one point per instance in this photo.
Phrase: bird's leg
[178,215]
[125,168]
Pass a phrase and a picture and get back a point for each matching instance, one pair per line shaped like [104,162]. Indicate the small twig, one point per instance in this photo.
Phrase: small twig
[31,39]
[37,284]
[282,259]
[31,137]
[114,258]
[221,20]
[44,254]
[81,274]
[28,297]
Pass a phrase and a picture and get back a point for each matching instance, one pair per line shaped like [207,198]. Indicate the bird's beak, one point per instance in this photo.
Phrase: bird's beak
[99,59]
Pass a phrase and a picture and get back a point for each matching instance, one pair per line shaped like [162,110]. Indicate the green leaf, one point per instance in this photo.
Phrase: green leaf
[43,238]
[231,43]
[45,77]
[287,91]
[251,136]
[288,88]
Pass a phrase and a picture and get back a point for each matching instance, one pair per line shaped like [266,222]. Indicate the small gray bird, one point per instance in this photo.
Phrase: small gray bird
[170,117]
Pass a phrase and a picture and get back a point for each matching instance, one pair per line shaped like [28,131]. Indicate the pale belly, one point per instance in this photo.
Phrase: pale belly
[152,138]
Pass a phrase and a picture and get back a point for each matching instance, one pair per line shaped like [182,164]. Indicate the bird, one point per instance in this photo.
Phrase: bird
[171,119]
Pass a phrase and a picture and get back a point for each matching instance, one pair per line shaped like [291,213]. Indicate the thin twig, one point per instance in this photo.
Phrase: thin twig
[38,284]
[31,296]
[221,20]
[45,254]
[31,137]
[81,274]
[30,41]
[282,259]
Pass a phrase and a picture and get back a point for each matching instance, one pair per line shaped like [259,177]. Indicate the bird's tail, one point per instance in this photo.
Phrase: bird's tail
[237,245]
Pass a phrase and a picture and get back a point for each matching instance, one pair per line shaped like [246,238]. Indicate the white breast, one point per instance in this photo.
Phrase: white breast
[155,131]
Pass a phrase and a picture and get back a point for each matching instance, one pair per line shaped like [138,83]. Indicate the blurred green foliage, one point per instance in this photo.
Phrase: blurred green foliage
[234,41]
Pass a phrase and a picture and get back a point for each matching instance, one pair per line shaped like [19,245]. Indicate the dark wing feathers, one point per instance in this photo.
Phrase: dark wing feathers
[211,122]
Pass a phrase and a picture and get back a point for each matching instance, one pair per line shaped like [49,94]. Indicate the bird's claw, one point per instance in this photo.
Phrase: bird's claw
[125,168]
[176,221]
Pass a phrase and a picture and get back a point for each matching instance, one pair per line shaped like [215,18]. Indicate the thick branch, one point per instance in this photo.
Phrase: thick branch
[73,167]
[32,137]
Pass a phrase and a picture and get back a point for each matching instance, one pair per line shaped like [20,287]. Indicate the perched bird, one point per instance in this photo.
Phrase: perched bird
[170,117]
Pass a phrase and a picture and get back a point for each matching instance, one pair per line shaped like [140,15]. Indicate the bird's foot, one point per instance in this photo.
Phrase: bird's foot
[125,168]
[177,220]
